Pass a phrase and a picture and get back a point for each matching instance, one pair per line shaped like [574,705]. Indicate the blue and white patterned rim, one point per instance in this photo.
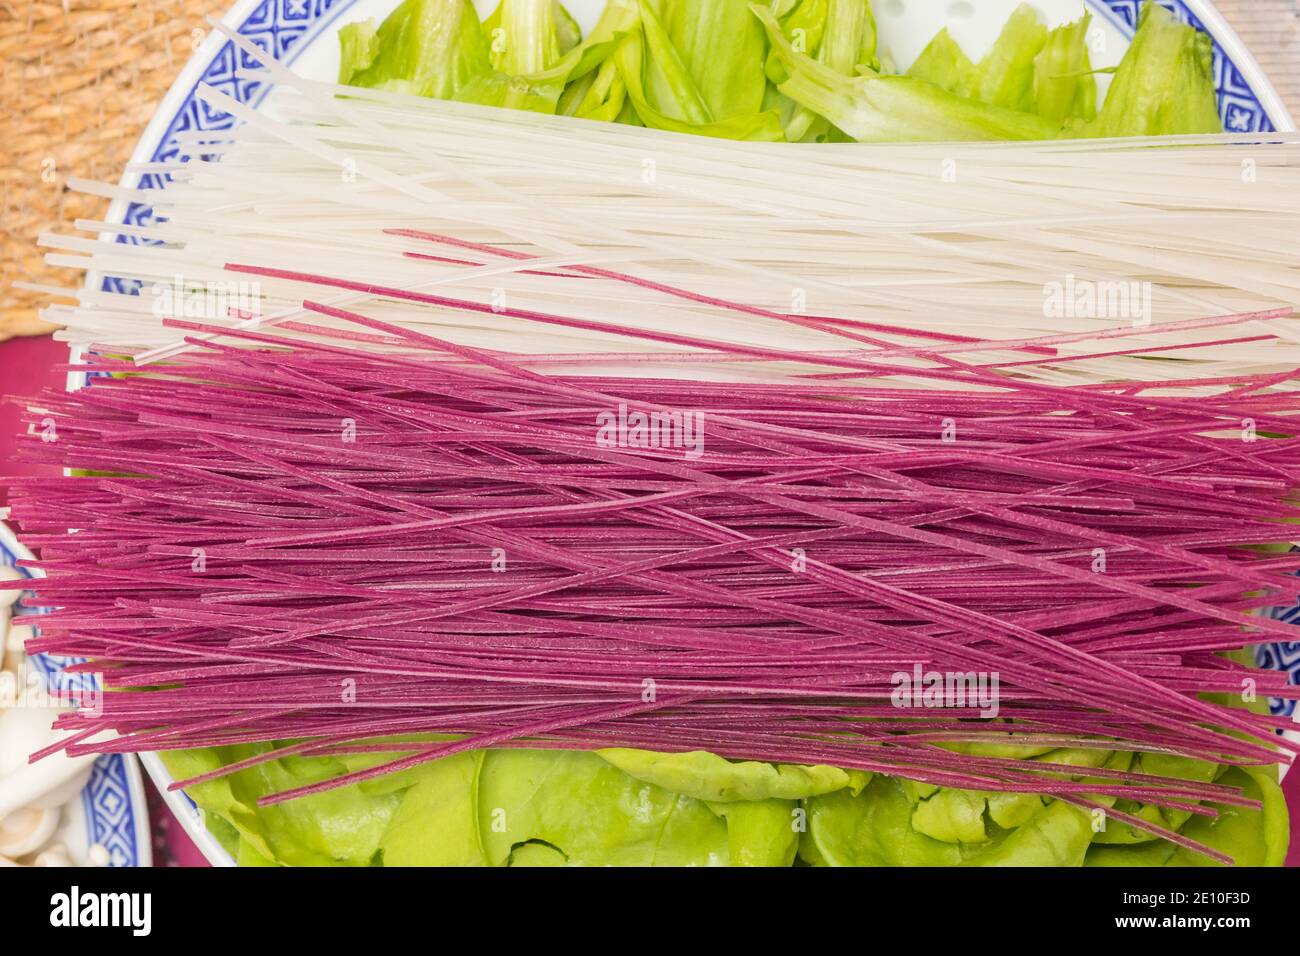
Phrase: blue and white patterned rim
[113,798]
[1247,103]
[1283,656]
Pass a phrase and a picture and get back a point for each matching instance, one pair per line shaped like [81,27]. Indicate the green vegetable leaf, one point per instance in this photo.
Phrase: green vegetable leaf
[706,776]
[336,827]
[1165,83]
[358,49]
[530,72]
[591,812]
[1029,68]
[945,64]
[876,828]
[1005,77]
[840,35]
[1064,85]
[1161,765]
[1250,837]
[427,47]
[669,86]
[953,816]
[524,36]
[689,113]
[538,92]
[722,48]
[871,829]
[567,31]
[760,832]
[877,108]
[436,823]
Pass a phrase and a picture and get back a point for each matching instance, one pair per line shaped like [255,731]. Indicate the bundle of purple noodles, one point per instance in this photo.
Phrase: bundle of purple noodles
[327,544]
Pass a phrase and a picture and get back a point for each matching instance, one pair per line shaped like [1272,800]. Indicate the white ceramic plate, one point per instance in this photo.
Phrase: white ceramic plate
[302,34]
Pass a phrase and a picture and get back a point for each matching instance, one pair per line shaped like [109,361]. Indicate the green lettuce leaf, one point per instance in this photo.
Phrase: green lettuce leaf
[664,96]
[435,824]
[722,48]
[601,93]
[905,823]
[491,808]
[1161,765]
[1065,88]
[962,816]
[1165,83]
[878,108]
[669,87]
[945,64]
[760,832]
[1005,77]
[358,49]
[426,47]
[593,813]
[804,23]
[568,33]
[847,44]
[538,92]
[524,36]
[1029,68]
[341,827]
[876,828]
[706,776]
[1250,837]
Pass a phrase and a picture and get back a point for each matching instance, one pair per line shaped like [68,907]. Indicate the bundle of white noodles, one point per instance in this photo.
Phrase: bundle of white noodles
[1106,254]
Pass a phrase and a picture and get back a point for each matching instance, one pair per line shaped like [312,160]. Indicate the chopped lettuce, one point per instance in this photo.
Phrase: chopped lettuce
[706,776]
[537,52]
[760,832]
[1065,88]
[538,92]
[425,47]
[503,808]
[722,48]
[1165,83]
[895,822]
[433,824]
[1005,77]
[567,32]
[342,827]
[1161,765]
[638,808]
[525,36]
[591,812]
[1029,68]
[876,108]
[945,64]
[601,94]
[665,95]
[845,41]
[797,70]
[1250,837]
[542,808]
